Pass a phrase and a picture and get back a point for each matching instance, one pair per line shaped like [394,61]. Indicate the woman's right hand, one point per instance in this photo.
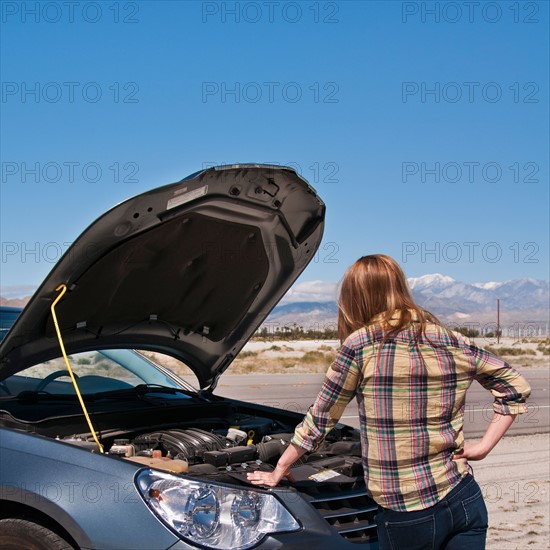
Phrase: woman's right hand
[473,451]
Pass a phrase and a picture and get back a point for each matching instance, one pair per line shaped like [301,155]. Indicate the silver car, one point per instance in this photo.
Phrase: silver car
[102,447]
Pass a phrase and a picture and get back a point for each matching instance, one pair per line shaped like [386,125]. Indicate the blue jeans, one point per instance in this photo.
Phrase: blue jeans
[457,522]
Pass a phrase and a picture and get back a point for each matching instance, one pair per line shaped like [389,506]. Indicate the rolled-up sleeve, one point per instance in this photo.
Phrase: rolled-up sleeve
[509,388]
[338,390]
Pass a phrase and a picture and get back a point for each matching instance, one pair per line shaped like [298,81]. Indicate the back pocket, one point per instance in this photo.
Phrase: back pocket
[415,534]
[475,511]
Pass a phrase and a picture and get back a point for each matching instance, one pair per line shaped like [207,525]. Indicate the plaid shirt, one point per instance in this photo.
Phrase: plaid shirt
[410,398]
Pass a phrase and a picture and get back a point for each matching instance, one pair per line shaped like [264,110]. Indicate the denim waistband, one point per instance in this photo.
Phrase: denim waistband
[462,484]
[454,493]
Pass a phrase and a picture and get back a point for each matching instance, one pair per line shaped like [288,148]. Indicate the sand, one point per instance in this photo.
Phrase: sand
[515,480]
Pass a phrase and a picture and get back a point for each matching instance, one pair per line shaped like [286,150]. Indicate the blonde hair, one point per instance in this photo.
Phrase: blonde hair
[376,285]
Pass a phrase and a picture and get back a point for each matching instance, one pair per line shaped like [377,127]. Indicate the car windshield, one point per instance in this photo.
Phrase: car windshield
[8,315]
[96,372]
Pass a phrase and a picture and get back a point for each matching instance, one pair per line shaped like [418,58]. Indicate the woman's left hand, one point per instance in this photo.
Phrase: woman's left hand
[271,479]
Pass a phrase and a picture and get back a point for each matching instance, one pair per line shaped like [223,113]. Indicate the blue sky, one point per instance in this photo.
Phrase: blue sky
[424,126]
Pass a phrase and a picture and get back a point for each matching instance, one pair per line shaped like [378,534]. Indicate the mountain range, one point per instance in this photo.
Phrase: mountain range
[521,301]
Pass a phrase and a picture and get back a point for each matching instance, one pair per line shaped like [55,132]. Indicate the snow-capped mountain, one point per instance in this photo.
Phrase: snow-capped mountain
[435,280]
[445,293]
[521,300]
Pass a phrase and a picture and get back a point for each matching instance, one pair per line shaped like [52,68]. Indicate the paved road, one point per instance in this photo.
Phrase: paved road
[297,391]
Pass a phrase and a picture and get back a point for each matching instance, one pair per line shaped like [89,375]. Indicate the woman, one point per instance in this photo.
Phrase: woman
[410,376]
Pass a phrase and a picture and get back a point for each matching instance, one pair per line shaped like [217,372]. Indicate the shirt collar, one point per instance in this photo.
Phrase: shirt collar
[395,317]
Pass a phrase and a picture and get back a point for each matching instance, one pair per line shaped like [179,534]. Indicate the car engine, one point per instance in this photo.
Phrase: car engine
[228,454]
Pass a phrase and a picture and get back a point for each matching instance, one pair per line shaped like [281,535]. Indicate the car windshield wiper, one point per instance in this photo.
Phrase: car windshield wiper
[144,389]
[140,391]
[32,396]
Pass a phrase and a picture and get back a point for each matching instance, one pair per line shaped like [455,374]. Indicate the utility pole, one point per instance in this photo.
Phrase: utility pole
[498,321]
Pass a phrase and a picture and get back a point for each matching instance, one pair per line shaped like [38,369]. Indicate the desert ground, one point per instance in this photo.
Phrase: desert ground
[515,481]
[270,356]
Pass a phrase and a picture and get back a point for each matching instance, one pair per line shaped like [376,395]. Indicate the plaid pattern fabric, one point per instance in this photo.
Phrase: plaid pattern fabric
[411,398]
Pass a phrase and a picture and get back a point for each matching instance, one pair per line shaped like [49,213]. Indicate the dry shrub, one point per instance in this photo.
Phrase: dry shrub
[510,351]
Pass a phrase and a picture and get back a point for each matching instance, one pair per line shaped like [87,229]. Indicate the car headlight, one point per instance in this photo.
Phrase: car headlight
[214,515]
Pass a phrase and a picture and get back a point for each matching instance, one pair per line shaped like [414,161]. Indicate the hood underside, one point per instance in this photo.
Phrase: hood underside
[190,269]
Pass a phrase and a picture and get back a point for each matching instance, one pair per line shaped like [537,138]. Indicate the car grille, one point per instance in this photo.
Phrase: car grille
[350,513]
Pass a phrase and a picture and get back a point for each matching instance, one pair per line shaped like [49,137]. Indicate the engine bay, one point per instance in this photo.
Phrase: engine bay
[227,454]
[216,438]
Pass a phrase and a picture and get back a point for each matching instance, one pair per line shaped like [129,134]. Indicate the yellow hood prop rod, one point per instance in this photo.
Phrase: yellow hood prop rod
[62,289]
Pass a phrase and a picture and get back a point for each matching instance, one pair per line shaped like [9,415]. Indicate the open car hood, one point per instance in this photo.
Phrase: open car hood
[190,269]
